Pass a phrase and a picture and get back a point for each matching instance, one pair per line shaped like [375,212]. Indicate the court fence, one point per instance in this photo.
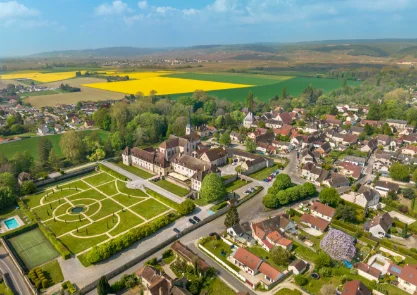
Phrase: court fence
[19,267]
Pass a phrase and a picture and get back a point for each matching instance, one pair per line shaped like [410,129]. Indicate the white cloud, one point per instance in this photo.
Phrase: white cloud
[223,6]
[165,9]
[380,5]
[130,20]
[143,4]
[117,7]
[13,10]
[190,11]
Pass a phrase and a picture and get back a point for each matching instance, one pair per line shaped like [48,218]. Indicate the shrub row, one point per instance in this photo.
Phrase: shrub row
[113,173]
[184,208]
[37,278]
[274,200]
[69,286]
[398,248]
[344,225]
[104,251]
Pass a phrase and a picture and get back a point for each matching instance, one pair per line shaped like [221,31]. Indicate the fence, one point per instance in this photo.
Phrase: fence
[88,288]
[65,176]
[19,268]
[230,179]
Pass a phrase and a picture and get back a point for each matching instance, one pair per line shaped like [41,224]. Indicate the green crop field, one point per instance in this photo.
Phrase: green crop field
[92,209]
[30,144]
[265,90]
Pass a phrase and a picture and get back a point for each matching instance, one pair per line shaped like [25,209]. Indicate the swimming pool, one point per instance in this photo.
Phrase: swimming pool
[11,223]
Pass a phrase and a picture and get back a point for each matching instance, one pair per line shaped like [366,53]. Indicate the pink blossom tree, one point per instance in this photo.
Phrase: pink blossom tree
[338,245]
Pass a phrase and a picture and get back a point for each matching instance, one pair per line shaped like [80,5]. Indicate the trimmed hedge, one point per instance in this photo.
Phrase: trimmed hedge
[69,286]
[398,248]
[104,251]
[348,226]
[113,173]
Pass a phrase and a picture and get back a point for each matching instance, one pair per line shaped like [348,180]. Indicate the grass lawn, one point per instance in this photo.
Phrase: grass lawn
[108,207]
[126,200]
[109,188]
[76,245]
[97,228]
[264,173]
[83,259]
[128,220]
[30,144]
[4,290]
[304,252]
[60,228]
[287,291]
[76,184]
[98,179]
[35,199]
[53,272]
[149,208]
[134,170]
[11,211]
[236,184]
[216,247]
[173,188]
[90,194]
[129,191]
[218,287]
[261,253]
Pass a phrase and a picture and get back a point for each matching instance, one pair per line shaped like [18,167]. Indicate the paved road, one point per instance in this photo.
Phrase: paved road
[7,266]
[138,182]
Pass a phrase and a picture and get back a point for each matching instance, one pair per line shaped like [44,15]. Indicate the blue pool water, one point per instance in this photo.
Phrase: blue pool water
[11,223]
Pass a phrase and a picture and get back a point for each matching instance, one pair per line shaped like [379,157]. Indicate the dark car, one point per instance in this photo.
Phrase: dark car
[192,221]
[176,230]
[196,219]
[212,234]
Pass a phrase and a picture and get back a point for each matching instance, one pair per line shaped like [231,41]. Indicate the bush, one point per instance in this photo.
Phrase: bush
[345,279]
[104,251]
[325,272]
[186,207]
[61,248]
[398,259]
[300,280]
[44,283]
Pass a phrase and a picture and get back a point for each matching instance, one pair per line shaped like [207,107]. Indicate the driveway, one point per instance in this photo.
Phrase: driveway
[8,267]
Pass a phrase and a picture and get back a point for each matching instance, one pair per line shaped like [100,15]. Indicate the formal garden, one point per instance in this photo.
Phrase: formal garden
[99,209]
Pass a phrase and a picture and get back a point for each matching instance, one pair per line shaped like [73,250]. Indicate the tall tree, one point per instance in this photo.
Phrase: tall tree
[329,196]
[281,256]
[232,217]
[72,146]
[103,287]
[22,162]
[44,149]
[212,188]
[225,139]
[249,101]
[250,146]
[284,93]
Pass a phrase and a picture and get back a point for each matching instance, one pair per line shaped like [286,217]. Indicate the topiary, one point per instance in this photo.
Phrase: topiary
[38,284]
[44,283]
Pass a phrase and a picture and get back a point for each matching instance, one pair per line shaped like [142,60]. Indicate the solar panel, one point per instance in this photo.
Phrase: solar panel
[396,269]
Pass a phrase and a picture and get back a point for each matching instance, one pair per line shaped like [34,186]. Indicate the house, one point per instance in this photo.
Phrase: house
[355,287]
[380,225]
[271,123]
[358,161]
[384,187]
[315,222]
[366,197]
[22,177]
[370,146]
[285,118]
[410,150]
[410,139]
[324,148]
[349,170]
[307,156]
[270,232]
[350,139]
[241,233]
[88,124]
[250,163]
[216,156]
[250,121]
[258,131]
[311,172]
[336,181]
[148,159]
[298,266]
[253,265]
[407,277]
[322,211]
[246,261]
[397,124]
[154,281]
[283,147]
[181,250]
[356,130]
[236,137]
[368,272]
[383,139]
[43,130]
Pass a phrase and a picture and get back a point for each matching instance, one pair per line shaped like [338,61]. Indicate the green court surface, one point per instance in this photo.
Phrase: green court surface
[33,248]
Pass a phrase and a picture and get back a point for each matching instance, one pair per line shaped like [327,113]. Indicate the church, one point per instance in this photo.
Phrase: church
[181,159]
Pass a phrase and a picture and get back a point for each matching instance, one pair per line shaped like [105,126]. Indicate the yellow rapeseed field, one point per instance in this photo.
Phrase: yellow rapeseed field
[40,77]
[163,85]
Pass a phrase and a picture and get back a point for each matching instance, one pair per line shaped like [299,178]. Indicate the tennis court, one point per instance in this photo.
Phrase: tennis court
[33,248]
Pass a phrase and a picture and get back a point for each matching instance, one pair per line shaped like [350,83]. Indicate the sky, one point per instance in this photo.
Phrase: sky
[33,26]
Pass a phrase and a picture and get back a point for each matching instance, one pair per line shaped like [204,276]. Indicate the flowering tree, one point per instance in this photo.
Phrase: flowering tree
[338,245]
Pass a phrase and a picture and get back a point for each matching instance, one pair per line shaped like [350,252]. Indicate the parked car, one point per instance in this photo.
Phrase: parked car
[176,230]
[252,189]
[196,219]
[266,180]
[247,191]
[192,221]
[269,178]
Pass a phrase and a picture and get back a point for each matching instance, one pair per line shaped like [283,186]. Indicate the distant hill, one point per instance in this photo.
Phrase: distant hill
[102,52]
[396,48]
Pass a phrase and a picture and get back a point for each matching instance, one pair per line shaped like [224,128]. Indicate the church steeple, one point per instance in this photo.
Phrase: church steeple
[189,128]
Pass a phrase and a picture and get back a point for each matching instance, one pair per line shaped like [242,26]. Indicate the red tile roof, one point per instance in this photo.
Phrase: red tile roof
[369,270]
[323,209]
[269,271]
[317,222]
[245,257]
